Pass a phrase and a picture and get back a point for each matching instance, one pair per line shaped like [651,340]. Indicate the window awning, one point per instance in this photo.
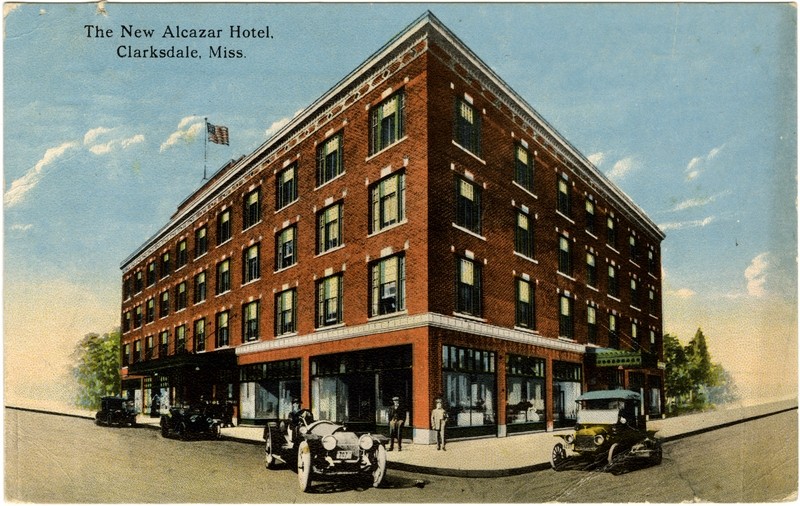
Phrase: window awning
[609,357]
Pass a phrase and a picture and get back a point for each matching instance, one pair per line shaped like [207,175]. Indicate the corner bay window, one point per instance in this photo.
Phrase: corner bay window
[468,205]
[329,301]
[286,312]
[388,282]
[468,284]
[286,187]
[387,123]
[250,321]
[468,127]
[388,202]
[329,228]
[469,386]
[329,159]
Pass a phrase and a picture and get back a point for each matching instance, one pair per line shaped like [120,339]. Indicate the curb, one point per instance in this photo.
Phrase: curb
[456,473]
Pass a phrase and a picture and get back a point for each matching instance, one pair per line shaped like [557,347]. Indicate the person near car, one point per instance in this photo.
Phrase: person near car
[438,423]
[397,418]
[155,406]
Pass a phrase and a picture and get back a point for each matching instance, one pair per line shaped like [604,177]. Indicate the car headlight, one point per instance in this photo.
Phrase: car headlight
[599,439]
[365,442]
[570,438]
[329,442]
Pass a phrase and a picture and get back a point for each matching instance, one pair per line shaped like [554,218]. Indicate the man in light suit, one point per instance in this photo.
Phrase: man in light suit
[438,423]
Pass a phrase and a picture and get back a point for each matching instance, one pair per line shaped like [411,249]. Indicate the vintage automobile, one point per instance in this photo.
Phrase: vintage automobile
[610,431]
[202,420]
[322,449]
[116,411]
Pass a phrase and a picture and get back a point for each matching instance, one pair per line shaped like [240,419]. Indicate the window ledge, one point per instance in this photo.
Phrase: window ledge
[249,227]
[525,257]
[565,216]
[223,243]
[635,264]
[222,293]
[612,248]
[198,257]
[326,183]
[388,227]
[566,276]
[470,153]
[590,287]
[337,248]
[636,308]
[280,336]
[329,327]
[527,330]
[651,315]
[252,281]
[387,148]
[284,268]
[470,232]
[402,312]
[652,275]
[525,189]
[613,298]
[286,206]
[470,317]
[591,234]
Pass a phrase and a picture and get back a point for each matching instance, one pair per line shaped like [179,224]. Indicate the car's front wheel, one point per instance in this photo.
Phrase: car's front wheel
[304,470]
[380,466]
[558,456]
[613,452]
[164,427]
[269,456]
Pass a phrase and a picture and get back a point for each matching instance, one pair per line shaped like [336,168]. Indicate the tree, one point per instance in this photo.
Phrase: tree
[677,381]
[725,390]
[96,369]
[701,369]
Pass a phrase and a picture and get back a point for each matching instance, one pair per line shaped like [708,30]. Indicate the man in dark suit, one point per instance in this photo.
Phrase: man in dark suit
[397,418]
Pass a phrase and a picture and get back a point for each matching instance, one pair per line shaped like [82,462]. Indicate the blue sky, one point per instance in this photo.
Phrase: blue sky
[689,108]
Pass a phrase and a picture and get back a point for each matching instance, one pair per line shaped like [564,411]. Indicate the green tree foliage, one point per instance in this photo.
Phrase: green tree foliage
[96,369]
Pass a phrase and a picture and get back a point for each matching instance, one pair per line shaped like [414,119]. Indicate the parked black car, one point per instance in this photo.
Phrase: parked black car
[116,411]
[202,420]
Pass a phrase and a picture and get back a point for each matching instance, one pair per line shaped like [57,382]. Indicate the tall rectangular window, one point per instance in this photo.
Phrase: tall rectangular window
[633,250]
[150,311]
[165,265]
[252,208]
[563,196]
[523,235]
[126,355]
[591,222]
[651,262]
[223,335]
[126,321]
[613,281]
[591,324]
[523,167]
[564,256]
[388,286]
[200,335]
[329,228]
[250,321]
[611,232]
[285,312]
[387,123]
[635,336]
[566,324]
[137,351]
[163,343]
[329,301]
[200,287]
[468,287]
[138,285]
[468,205]
[137,317]
[163,305]
[652,306]
[329,159]
[613,335]
[591,269]
[285,251]
[181,254]
[149,348]
[180,339]
[151,274]
[526,314]
[634,293]
[200,242]
[223,276]
[388,201]
[180,296]
[286,187]
[468,127]
[250,261]
[223,226]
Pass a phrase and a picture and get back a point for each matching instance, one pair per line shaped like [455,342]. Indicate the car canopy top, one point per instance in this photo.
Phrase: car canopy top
[596,395]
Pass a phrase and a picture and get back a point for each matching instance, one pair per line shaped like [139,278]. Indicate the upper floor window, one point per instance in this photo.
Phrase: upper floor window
[468,127]
[651,298]
[200,287]
[181,254]
[526,314]
[613,281]
[163,343]
[223,226]
[223,335]
[150,311]
[126,321]
[137,317]
[250,260]
[591,269]
[223,276]
[137,351]
[523,167]
[126,355]
[163,304]
[523,235]
[285,251]
[634,293]
[329,228]
[591,224]
[137,282]
[286,187]
[563,196]
[468,205]
[387,123]
[591,324]
[468,290]
[635,335]
[200,242]
[329,159]
[250,321]
[329,301]
[151,273]
[611,232]
[252,208]
[285,312]
[200,335]
[165,265]
[388,286]
[566,324]
[180,339]
[180,296]
[126,289]
[633,250]
[388,201]
[651,262]
[564,255]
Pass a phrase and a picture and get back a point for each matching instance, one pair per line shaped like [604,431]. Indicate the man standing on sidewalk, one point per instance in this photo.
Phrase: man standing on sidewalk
[438,423]
[397,418]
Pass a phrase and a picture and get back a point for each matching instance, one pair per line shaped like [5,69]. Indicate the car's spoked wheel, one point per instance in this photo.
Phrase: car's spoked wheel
[183,431]
[164,428]
[558,457]
[614,453]
[304,470]
[269,457]
[380,468]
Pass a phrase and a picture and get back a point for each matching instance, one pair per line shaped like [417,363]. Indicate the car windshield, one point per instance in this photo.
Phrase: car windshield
[598,416]
[324,428]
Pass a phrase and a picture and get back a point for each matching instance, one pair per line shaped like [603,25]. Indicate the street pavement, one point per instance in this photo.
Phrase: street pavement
[520,453]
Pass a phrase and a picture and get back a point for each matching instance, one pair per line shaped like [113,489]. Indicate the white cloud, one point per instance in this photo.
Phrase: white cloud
[20,187]
[697,202]
[621,168]
[130,141]
[187,131]
[94,133]
[21,227]
[678,225]
[696,164]
[683,293]
[277,125]
[101,149]
[596,158]
[756,275]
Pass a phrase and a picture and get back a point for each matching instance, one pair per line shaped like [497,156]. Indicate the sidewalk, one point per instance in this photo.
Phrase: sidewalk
[517,454]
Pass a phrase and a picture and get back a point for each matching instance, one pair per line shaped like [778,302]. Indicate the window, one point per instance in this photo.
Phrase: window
[329,159]
[163,343]
[200,242]
[149,345]
[180,296]
[223,276]
[634,252]
[285,251]
[200,335]
[651,262]
[285,311]
[591,324]
[151,274]
[566,327]
[250,260]
[388,202]
[470,385]
[150,311]
[591,269]
[250,321]
[468,127]
[611,232]
[652,341]
[651,297]
[252,208]
[165,266]
[634,293]
[613,336]
[137,317]
[329,228]
[563,196]
[137,282]
[526,315]
[126,289]
[388,286]
[137,351]
[223,330]
[286,187]
[613,282]
[523,167]
[329,301]
[523,235]
[591,224]
[468,205]
[223,226]
[180,339]
[126,321]
[126,355]
[181,254]
[635,336]
[468,287]
[564,256]
[200,287]
[163,306]
[387,123]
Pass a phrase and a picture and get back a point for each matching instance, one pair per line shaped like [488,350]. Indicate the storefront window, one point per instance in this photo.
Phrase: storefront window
[525,380]
[566,389]
[267,389]
[469,386]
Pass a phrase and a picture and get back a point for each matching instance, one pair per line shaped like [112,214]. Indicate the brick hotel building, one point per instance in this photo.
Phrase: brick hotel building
[419,231]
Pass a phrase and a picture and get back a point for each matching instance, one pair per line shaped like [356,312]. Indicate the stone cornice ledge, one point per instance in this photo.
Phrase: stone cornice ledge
[410,322]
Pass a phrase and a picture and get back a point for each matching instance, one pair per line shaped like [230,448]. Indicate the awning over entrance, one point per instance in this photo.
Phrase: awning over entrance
[609,357]
[224,359]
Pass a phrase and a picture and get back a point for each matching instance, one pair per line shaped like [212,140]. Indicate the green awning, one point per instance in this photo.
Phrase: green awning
[607,357]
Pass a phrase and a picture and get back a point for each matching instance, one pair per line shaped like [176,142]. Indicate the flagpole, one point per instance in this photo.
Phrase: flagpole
[205,147]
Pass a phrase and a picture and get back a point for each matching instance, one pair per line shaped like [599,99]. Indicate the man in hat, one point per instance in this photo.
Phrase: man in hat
[397,418]
[438,422]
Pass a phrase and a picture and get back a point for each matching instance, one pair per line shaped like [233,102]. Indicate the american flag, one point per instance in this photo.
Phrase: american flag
[217,134]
